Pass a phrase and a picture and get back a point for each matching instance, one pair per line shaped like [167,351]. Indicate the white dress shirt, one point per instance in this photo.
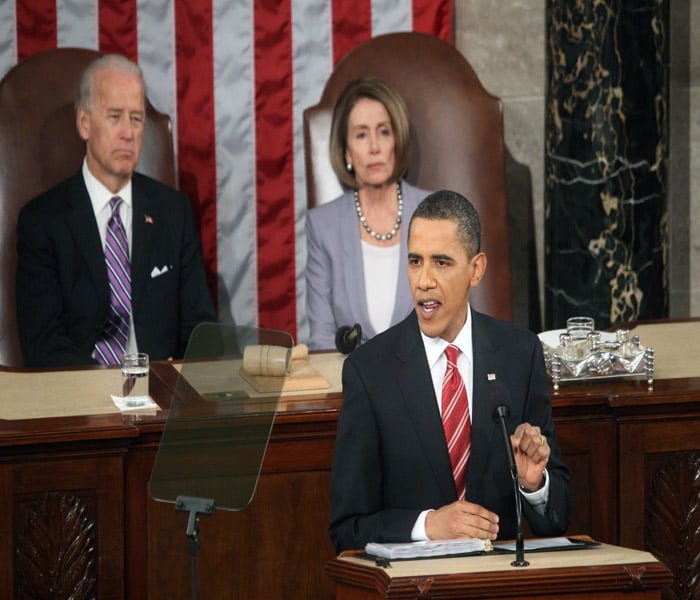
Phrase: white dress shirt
[100,197]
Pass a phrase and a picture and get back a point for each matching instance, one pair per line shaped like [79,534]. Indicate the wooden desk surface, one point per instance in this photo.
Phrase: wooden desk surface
[44,394]
[605,554]
[676,348]
[34,394]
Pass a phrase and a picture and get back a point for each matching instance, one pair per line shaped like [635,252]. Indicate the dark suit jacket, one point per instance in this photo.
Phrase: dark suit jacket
[391,460]
[62,287]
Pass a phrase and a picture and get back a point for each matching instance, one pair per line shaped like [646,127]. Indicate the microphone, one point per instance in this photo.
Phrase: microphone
[348,338]
[500,415]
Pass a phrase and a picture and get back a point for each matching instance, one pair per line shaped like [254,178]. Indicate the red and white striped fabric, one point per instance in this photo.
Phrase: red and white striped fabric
[235,76]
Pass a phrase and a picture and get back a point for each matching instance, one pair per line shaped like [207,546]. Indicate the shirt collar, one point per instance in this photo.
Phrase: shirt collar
[435,347]
[99,194]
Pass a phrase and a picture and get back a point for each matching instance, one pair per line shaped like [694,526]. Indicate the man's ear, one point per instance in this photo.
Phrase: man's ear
[82,120]
[478,268]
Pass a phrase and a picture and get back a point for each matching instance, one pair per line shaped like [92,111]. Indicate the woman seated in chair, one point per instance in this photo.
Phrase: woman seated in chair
[357,252]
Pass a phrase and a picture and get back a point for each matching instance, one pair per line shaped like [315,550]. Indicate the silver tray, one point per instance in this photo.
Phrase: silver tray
[597,356]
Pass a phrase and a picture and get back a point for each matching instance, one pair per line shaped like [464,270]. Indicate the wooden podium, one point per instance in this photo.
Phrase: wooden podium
[601,572]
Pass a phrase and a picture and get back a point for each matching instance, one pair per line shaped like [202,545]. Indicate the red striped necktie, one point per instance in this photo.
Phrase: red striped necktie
[110,347]
[456,421]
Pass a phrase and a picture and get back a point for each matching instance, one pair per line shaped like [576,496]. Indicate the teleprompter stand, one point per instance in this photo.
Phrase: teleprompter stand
[195,507]
[214,442]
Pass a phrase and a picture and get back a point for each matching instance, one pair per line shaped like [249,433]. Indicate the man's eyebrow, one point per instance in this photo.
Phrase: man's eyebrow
[441,257]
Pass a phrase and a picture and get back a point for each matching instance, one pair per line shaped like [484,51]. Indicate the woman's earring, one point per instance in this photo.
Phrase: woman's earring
[348,167]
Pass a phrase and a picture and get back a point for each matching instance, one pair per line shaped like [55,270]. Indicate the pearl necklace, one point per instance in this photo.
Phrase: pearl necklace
[379,236]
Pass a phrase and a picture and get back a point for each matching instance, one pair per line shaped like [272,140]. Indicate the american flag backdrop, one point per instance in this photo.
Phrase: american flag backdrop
[235,77]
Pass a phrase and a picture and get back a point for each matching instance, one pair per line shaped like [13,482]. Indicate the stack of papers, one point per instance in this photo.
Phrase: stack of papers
[426,549]
[437,548]
[544,544]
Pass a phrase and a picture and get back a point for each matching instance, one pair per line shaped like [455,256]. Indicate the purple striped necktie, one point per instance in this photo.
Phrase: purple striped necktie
[111,345]
[456,421]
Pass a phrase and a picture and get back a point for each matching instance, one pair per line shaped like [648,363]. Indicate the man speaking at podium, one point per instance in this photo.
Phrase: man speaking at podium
[418,453]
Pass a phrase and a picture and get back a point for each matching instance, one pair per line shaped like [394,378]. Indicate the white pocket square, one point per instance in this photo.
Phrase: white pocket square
[156,271]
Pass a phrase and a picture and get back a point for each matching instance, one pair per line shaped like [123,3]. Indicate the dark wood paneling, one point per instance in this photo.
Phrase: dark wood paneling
[644,447]
[63,523]
[275,548]
[588,448]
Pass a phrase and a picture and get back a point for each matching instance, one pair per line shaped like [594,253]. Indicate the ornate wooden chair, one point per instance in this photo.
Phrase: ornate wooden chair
[456,140]
[40,146]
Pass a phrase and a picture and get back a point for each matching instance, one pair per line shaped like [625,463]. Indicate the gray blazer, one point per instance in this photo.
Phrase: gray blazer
[335,281]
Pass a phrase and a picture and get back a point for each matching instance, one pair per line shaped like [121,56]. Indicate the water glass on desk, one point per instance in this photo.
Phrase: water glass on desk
[579,327]
[135,368]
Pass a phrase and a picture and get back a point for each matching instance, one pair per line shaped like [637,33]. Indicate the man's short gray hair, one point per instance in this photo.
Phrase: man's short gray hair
[116,62]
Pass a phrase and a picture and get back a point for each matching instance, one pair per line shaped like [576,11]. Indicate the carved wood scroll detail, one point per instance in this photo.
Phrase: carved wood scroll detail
[423,586]
[636,575]
[673,522]
[55,548]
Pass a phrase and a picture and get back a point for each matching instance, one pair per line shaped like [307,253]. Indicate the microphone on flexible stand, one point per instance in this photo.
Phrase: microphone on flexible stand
[500,415]
[348,338]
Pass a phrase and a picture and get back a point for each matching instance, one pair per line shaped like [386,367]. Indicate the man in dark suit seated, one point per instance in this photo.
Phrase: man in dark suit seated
[418,453]
[109,260]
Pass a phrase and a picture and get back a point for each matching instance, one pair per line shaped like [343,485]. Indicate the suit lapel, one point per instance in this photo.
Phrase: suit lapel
[416,387]
[352,258]
[403,290]
[83,226]
[145,223]
[487,394]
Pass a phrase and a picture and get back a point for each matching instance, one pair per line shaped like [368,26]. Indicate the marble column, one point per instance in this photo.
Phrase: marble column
[606,159]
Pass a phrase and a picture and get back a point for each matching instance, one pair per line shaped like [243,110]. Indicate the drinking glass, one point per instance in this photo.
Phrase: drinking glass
[135,374]
[579,327]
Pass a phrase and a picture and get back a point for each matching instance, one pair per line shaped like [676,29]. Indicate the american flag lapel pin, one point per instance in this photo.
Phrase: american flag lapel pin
[148,219]
[491,376]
